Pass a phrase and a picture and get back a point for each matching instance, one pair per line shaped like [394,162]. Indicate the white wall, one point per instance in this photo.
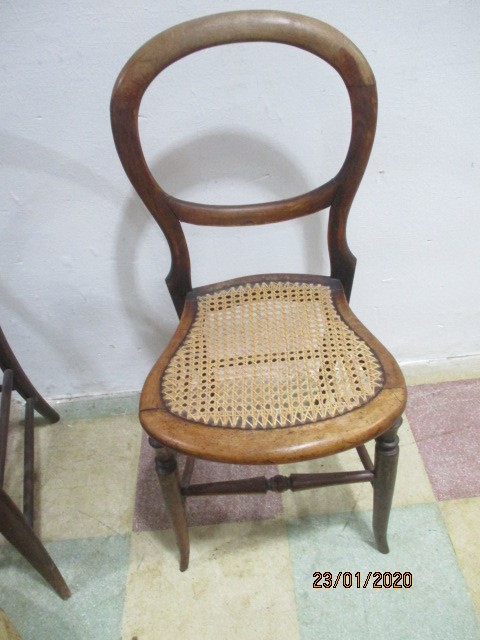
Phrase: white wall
[83,301]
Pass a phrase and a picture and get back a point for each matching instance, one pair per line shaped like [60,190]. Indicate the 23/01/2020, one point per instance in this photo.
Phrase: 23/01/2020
[377,579]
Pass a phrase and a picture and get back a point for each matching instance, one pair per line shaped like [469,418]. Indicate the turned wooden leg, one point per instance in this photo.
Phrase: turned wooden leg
[168,475]
[385,472]
[19,533]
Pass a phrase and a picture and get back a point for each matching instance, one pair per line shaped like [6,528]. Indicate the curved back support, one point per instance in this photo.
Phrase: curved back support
[246,26]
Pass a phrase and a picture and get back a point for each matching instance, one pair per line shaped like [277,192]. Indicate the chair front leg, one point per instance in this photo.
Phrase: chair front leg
[385,472]
[169,478]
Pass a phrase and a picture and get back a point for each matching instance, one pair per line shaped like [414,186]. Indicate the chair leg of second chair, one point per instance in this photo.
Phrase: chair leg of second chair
[385,471]
[169,477]
[17,530]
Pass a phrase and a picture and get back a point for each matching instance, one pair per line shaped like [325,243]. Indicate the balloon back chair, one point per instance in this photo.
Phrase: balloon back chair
[265,369]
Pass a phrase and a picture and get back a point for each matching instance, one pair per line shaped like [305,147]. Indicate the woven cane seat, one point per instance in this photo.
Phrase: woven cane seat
[269,355]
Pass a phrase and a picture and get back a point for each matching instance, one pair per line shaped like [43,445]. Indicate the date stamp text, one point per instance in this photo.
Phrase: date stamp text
[357,580]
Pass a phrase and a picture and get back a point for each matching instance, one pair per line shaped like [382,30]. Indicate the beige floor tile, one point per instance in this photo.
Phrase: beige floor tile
[412,486]
[14,462]
[462,518]
[238,585]
[7,630]
[86,472]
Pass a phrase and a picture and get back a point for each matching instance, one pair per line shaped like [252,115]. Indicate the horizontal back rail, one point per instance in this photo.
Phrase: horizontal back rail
[248,214]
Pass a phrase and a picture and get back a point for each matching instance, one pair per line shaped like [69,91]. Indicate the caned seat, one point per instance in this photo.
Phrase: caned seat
[272,368]
[282,355]
[269,355]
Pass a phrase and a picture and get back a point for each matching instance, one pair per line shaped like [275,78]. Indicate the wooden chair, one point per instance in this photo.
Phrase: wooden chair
[267,369]
[17,527]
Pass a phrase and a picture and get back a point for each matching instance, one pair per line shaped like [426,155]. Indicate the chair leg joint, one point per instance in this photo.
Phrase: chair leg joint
[165,467]
[279,484]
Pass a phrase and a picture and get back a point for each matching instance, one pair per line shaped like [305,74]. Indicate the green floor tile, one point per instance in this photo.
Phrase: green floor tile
[437,605]
[96,572]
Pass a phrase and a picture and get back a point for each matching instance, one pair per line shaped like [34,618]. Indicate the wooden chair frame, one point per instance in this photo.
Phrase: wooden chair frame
[337,194]
[17,527]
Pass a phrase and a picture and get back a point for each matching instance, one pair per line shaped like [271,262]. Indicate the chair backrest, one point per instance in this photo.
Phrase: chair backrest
[233,27]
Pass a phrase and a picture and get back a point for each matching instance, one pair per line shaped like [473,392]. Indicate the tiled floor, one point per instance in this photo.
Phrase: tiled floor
[253,559]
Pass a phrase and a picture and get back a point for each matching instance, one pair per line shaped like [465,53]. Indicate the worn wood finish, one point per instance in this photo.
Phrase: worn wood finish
[372,419]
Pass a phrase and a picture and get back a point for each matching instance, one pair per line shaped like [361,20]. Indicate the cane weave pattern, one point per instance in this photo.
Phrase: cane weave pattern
[269,355]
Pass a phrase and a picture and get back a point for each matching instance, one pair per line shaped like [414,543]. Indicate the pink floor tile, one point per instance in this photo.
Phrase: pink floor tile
[445,420]
[150,513]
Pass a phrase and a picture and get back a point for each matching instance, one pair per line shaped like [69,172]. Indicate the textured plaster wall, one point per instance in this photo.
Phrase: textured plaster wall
[83,301]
